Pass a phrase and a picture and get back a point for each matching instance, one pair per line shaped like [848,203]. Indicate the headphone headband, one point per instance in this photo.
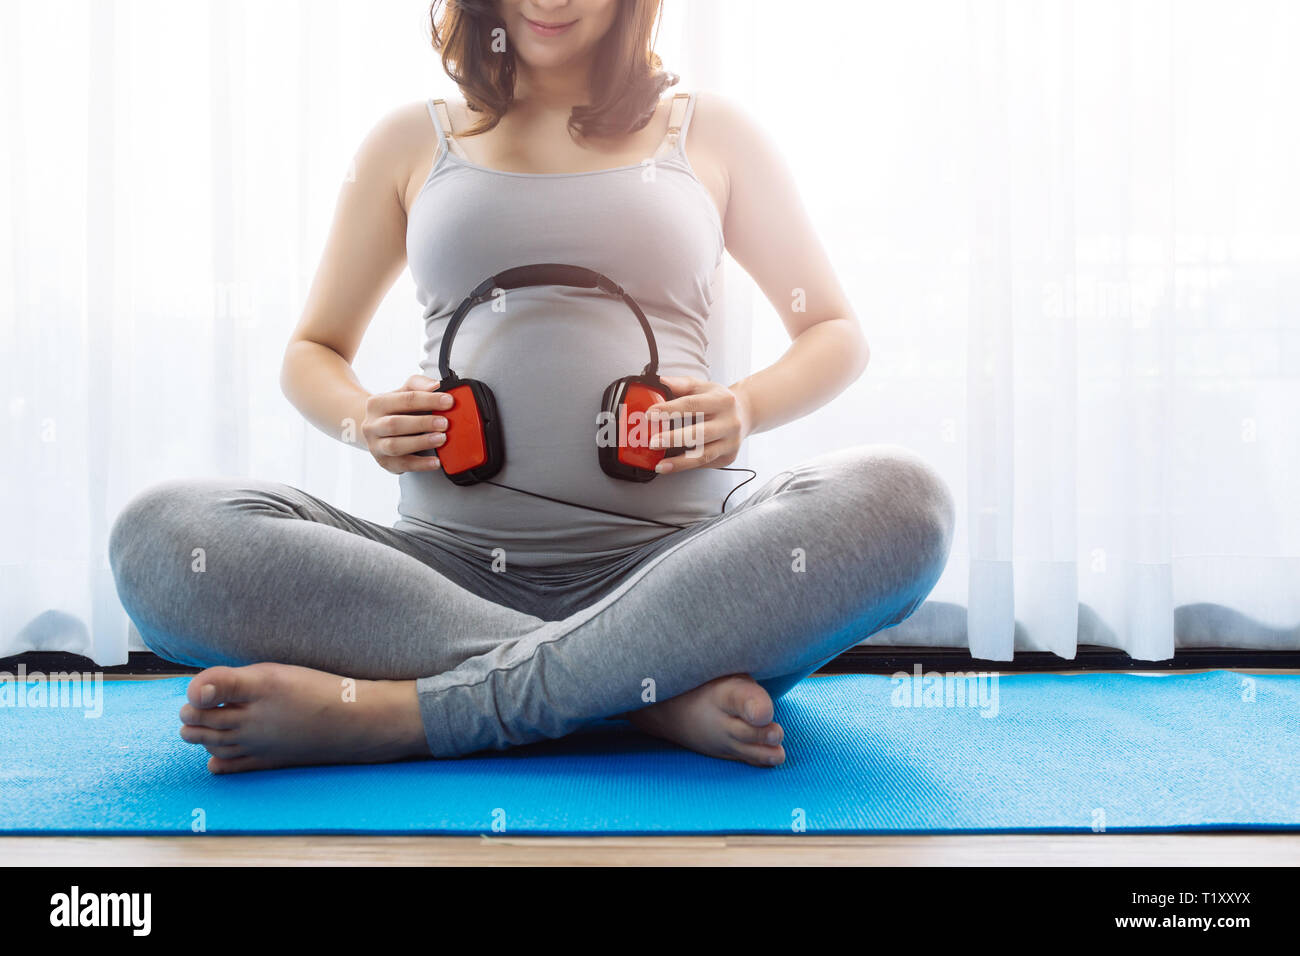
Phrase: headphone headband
[542,273]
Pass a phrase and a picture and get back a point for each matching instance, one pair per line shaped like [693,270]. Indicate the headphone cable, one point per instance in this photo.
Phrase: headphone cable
[752,475]
[619,514]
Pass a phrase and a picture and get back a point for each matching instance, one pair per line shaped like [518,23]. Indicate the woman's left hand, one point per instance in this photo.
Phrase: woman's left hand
[709,419]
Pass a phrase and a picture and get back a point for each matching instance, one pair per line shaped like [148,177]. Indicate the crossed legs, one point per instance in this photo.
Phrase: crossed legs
[350,624]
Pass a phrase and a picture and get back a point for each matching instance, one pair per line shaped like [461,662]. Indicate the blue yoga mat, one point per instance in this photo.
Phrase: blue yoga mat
[867,754]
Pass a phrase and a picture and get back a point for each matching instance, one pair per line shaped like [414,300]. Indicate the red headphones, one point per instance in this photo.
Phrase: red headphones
[475,450]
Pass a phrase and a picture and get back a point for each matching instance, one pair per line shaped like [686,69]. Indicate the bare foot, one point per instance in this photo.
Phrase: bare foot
[276,715]
[730,717]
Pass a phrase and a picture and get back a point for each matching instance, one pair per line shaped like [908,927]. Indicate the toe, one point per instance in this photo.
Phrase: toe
[746,733]
[220,685]
[226,751]
[207,737]
[743,698]
[760,755]
[237,764]
[218,718]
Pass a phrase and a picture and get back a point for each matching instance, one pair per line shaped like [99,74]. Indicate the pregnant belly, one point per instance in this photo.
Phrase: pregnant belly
[548,360]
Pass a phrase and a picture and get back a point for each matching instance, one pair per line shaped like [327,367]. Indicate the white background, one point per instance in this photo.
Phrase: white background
[1071,230]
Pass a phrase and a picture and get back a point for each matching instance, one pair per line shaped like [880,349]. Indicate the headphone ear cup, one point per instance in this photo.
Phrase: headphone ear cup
[622,443]
[475,447]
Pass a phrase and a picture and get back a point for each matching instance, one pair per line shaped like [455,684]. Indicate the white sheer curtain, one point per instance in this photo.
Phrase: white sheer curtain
[1072,232]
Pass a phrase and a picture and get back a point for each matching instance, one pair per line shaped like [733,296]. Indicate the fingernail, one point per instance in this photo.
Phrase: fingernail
[773,737]
[208,694]
[440,423]
[663,467]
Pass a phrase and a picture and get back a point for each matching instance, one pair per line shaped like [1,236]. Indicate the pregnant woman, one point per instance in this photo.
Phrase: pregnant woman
[555,595]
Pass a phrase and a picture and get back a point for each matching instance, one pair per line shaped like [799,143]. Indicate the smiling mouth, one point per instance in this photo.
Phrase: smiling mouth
[549,29]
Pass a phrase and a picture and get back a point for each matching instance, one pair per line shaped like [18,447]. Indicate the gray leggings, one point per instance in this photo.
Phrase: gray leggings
[822,556]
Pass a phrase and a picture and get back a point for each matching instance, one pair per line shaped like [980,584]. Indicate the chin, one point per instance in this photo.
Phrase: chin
[547,57]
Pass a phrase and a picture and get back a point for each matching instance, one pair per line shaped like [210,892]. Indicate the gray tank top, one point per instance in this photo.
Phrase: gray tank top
[549,352]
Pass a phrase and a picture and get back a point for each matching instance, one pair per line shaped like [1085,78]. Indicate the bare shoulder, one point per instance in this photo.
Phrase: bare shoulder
[399,150]
[728,129]
[721,115]
[725,142]
[406,131]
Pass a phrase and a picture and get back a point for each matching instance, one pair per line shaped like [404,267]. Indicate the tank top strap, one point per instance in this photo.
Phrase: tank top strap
[447,139]
[679,119]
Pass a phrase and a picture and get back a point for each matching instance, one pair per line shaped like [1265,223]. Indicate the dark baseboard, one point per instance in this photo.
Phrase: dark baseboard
[880,659]
[863,659]
[48,662]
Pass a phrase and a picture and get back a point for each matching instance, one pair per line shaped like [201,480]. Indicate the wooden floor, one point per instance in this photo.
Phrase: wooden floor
[1018,850]
[1109,849]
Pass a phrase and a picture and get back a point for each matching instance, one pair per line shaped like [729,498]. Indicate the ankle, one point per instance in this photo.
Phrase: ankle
[396,708]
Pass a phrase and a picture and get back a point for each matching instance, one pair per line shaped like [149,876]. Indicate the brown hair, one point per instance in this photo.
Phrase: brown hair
[627,76]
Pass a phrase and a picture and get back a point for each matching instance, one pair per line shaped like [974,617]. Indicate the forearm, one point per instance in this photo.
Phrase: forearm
[821,362]
[322,385]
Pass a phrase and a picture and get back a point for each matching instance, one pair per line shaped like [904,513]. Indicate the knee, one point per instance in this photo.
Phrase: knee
[153,518]
[908,496]
[155,545]
[156,539]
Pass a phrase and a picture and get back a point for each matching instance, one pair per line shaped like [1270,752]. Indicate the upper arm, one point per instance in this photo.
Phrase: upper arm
[766,227]
[365,250]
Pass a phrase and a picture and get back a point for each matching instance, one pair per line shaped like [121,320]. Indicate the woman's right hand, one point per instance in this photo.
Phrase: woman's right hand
[403,422]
